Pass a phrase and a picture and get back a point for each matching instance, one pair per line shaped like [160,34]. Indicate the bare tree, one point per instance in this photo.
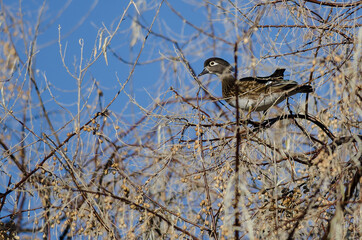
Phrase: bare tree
[183,164]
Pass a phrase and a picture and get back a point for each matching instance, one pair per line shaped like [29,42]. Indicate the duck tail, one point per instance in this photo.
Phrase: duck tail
[305,89]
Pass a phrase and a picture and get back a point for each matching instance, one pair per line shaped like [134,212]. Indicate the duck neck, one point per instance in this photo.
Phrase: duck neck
[228,84]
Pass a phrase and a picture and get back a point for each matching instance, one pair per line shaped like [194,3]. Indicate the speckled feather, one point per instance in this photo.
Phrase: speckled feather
[255,93]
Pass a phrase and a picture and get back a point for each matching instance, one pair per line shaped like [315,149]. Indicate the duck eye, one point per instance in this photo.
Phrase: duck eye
[212,63]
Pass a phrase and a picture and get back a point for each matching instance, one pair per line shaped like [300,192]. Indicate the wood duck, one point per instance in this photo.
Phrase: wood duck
[255,93]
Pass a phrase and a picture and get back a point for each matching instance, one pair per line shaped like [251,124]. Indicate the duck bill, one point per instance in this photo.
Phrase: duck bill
[205,71]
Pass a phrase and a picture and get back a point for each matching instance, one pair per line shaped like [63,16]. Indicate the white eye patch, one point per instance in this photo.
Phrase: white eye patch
[213,63]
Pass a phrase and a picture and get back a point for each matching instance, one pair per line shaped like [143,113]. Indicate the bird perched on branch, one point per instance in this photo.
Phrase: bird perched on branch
[254,93]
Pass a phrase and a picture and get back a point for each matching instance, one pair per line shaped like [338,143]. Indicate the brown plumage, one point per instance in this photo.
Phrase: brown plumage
[255,93]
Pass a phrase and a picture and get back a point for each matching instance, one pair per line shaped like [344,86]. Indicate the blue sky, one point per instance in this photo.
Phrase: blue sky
[81,20]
